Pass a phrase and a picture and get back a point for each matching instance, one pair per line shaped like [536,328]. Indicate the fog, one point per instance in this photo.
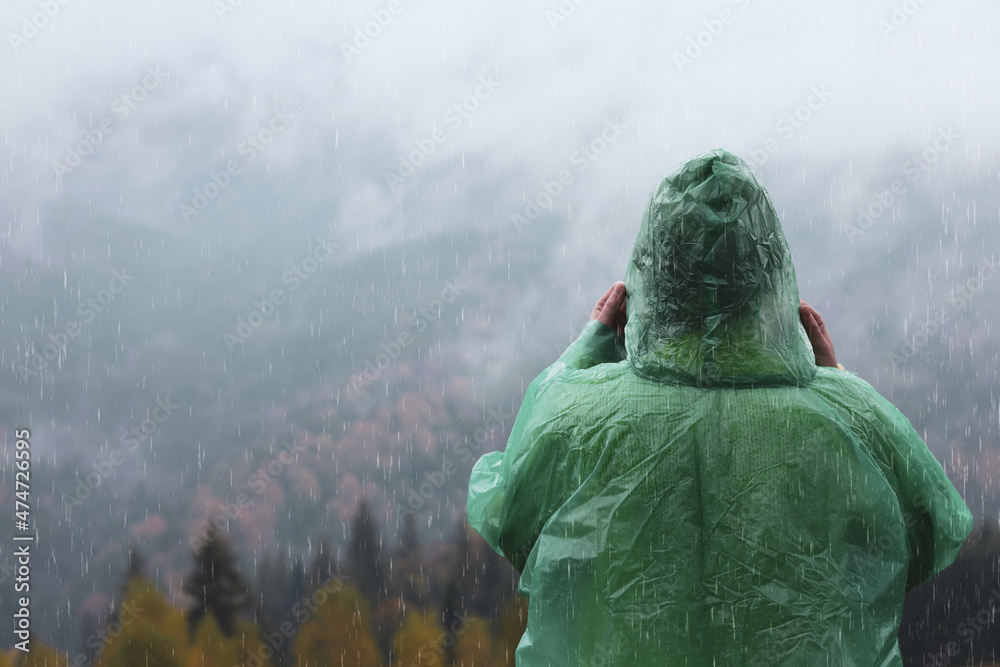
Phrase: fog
[227,227]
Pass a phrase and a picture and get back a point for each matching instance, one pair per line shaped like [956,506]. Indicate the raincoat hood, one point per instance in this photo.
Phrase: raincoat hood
[712,295]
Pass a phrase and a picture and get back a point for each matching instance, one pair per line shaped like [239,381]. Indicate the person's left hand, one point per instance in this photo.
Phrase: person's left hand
[610,308]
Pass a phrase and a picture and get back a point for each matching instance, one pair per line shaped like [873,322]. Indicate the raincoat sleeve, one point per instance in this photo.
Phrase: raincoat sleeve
[597,344]
[936,518]
[513,493]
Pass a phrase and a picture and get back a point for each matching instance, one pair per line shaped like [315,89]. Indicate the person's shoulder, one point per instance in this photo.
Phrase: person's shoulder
[561,388]
[562,373]
[856,396]
[841,379]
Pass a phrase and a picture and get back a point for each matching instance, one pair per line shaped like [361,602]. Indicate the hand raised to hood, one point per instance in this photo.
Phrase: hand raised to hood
[819,337]
[610,308]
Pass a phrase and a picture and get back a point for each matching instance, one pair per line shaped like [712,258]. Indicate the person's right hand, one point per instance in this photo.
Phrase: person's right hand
[818,335]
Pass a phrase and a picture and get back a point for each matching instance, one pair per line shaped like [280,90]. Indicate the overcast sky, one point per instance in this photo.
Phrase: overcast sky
[678,78]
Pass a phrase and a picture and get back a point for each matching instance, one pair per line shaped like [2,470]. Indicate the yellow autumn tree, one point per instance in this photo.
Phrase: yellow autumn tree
[254,651]
[144,646]
[42,655]
[147,630]
[473,643]
[418,642]
[212,648]
[338,632]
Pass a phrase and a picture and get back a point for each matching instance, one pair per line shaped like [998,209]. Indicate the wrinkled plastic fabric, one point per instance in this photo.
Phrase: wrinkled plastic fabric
[703,494]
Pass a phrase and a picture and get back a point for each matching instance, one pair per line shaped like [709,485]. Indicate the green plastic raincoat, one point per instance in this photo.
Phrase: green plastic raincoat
[703,494]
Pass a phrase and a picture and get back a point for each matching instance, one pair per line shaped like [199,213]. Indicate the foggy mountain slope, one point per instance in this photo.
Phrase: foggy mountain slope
[334,321]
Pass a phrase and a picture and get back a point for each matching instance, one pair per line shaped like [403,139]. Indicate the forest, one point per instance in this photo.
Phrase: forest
[381,607]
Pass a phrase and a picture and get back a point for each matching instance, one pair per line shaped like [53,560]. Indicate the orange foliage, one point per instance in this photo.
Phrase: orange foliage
[304,481]
[474,644]
[357,449]
[150,528]
[513,623]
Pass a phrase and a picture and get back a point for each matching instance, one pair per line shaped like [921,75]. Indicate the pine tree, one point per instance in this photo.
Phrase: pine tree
[280,586]
[136,564]
[460,586]
[216,585]
[459,582]
[407,566]
[480,581]
[367,568]
[387,620]
[495,581]
[408,542]
[322,568]
[134,571]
